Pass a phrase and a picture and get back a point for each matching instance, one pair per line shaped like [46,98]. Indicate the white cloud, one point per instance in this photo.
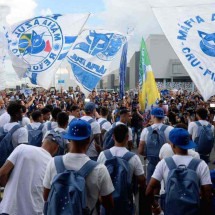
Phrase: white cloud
[19,9]
[46,12]
[119,15]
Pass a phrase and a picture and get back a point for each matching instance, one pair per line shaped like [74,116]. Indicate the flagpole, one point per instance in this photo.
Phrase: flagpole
[84,24]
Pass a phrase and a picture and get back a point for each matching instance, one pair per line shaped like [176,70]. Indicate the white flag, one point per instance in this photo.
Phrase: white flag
[91,56]
[191,32]
[42,43]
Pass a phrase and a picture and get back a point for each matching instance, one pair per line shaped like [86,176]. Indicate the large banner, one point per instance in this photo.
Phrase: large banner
[91,56]
[41,43]
[191,32]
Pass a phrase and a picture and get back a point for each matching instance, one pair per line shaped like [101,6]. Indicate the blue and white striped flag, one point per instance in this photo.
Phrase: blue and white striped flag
[42,43]
[122,70]
[91,55]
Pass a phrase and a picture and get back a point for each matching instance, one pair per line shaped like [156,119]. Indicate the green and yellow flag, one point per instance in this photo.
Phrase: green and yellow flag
[148,91]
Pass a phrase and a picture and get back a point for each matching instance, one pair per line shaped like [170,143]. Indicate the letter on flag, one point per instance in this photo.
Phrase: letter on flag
[91,55]
[42,43]
[148,91]
[191,33]
[122,70]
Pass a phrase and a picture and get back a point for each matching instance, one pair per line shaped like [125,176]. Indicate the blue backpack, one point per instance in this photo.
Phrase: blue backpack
[108,138]
[204,139]
[155,140]
[49,126]
[119,170]
[68,190]
[182,189]
[6,145]
[35,136]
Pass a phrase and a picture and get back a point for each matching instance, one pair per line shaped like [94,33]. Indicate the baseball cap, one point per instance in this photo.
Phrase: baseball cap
[55,137]
[181,138]
[157,112]
[78,130]
[89,107]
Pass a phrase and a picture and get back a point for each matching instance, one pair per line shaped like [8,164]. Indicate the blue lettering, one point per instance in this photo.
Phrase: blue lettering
[14,51]
[195,62]
[28,25]
[57,37]
[45,22]
[188,23]
[199,19]
[47,62]
[190,57]
[54,30]
[35,68]
[36,22]
[213,17]
[182,36]
[52,56]
[186,50]
[22,29]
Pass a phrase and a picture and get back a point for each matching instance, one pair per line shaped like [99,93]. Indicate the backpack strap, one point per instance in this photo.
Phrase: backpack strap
[91,121]
[41,126]
[29,127]
[209,125]
[103,122]
[16,127]
[198,123]
[49,126]
[87,168]
[194,163]
[149,129]
[108,154]
[163,128]
[58,160]
[114,125]
[128,155]
[170,163]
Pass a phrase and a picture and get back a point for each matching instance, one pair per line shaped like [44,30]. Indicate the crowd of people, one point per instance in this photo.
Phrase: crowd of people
[96,142]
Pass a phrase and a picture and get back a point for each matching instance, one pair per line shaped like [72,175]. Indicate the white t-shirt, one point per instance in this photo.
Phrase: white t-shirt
[144,133]
[161,170]
[19,136]
[135,163]
[166,151]
[4,119]
[106,125]
[25,121]
[45,128]
[23,193]
[70,118]
[91,152]
[98,182]
[193,128]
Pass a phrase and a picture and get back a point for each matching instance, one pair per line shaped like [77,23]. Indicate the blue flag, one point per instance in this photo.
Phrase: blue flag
[122,70]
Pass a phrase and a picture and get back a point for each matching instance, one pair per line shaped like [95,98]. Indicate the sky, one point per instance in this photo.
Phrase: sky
[117,15]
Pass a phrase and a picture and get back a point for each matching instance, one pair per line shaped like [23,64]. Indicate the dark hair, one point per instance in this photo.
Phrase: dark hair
[123,111]
[45,110]
[50,107]
[73,108]
[120,132]
[62,119]
[202,113]
[181,125]
[103,111]
[24,109]
[14,108]
[55,112]
[36,115]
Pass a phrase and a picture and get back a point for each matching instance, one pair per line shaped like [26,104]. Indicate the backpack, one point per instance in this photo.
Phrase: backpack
[155,140]
[102,123]
[182,191]
[108,138]
[6,145]
[204,139]
[35,136]
[68,191]
[119,170]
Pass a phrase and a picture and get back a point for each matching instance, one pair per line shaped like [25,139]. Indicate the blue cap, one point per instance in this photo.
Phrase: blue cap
[78,130]
[181,138]
[55,137]
[89,107]
[157,112]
